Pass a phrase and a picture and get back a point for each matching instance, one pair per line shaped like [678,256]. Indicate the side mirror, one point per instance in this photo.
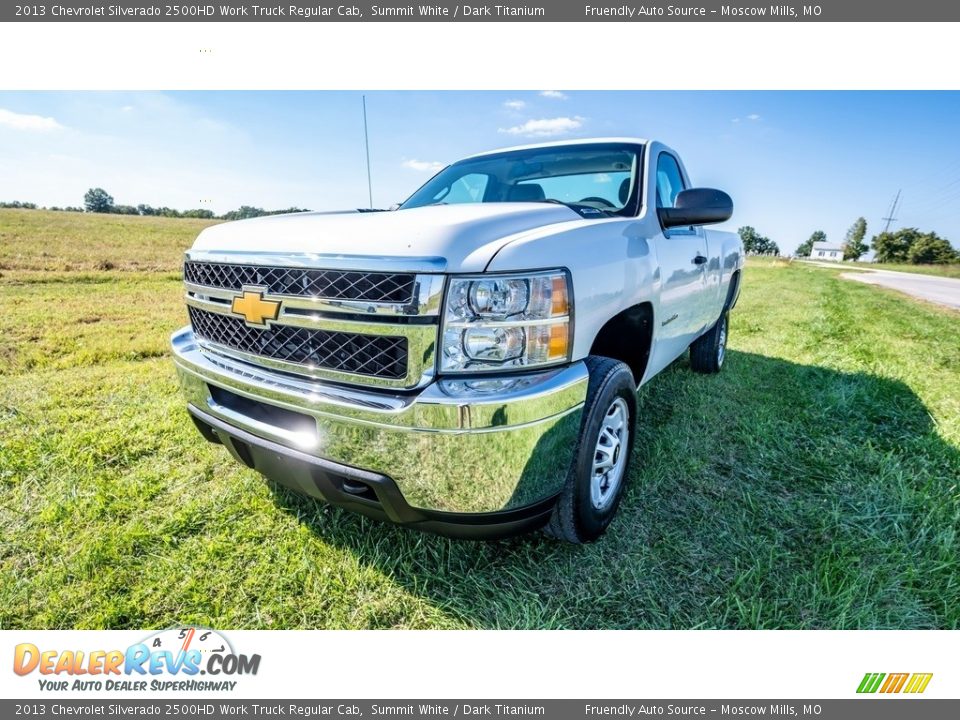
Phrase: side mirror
[697,206]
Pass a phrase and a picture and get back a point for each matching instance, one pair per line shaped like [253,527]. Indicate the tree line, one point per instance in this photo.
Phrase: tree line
[906,245]
[98,200]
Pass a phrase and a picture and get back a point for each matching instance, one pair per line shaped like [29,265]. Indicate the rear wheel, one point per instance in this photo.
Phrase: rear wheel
[598,475]
[708,351]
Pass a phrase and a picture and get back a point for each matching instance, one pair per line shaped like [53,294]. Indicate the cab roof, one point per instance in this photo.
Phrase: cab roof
[562,143]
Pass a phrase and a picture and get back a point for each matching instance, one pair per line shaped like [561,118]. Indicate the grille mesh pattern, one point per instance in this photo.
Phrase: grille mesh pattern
[331,284]
[376,355]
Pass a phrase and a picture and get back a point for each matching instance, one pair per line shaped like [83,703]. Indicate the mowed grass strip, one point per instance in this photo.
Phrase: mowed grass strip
[950,270]
[812,484]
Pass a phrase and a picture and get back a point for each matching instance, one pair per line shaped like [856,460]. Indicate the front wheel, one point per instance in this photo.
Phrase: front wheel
[598,474]
[708,351]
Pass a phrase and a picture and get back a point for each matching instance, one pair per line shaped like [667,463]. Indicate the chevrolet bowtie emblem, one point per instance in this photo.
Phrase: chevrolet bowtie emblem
[254,309]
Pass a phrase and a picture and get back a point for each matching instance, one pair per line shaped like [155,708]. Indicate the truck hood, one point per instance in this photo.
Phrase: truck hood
[438,238]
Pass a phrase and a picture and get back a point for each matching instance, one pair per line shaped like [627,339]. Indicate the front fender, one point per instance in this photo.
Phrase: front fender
[613,264]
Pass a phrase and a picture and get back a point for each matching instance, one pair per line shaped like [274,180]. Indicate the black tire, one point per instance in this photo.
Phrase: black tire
[576,518]
[708,351]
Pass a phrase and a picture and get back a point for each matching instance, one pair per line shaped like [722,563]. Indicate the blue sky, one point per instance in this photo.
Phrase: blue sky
[794,162]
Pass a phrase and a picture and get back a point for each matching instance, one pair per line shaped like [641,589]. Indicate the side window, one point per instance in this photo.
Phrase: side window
[468,189]
[669,180]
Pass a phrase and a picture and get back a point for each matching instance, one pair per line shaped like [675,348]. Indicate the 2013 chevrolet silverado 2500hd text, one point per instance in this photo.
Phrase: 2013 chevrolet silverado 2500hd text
[466,363]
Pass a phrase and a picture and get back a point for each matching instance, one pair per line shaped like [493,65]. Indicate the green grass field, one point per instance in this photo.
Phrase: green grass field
[812,484]
[75,242]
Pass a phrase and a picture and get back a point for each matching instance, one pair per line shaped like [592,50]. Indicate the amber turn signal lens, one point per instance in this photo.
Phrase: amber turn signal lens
[558,341]
[560,304]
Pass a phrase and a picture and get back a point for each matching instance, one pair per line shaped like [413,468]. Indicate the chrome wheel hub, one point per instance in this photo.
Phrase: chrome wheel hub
[610,455]
[722,341]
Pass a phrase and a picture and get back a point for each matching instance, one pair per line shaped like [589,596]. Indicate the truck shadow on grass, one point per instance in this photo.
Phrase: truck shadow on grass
[773,495]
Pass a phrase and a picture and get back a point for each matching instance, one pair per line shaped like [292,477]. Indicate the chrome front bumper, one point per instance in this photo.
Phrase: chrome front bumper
[456,446]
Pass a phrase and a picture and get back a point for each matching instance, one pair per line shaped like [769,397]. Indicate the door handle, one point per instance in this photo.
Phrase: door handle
[699,260]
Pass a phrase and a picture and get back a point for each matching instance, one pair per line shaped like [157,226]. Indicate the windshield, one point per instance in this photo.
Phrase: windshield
[602,176]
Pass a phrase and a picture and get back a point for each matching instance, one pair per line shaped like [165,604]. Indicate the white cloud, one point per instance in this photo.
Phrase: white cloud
[424,165]
[555,94]
[127,108]
[753,116]
[33,123]
[735,120]
[515,104]
[546,127]
[602,178]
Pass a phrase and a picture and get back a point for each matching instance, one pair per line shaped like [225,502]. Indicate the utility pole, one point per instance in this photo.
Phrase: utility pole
[890,216]
[366,142]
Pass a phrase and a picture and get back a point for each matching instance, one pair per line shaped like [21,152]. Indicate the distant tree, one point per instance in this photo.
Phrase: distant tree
[97,200]
[806,247]
[145,209]
[287,211]
[19,205]
[768,247]
[756,244]
[853,244]
[931,249]
[124,210]
[750,237]
[205,214]
[894,247]
[244,212]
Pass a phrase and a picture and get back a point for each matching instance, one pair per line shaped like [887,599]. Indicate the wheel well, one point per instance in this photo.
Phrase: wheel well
[733,294]
[627,336]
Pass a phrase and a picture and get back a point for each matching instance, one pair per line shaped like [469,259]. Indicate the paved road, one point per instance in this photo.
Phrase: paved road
[940,290]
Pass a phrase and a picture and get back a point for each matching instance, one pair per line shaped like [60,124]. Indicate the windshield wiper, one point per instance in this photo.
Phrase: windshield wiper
[580,208]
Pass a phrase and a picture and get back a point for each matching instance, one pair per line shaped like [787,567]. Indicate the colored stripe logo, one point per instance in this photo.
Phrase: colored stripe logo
[912,683]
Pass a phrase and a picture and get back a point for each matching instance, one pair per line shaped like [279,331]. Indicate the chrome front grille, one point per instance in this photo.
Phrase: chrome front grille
[326,321]
[381,356]
[304,282]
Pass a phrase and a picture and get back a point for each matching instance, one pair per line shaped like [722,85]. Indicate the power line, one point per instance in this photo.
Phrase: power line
[945,189]
[947,169]
[893,209]
[940,207]
[943,197]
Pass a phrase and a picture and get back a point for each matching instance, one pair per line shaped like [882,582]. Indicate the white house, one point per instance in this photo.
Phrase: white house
[826,251]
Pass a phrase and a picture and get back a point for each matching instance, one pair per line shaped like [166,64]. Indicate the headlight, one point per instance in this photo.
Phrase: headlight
[506,321]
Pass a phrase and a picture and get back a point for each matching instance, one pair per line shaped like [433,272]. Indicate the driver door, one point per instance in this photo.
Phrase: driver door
[682,256]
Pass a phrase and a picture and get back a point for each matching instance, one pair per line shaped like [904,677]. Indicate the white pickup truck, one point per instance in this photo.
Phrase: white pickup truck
[466,363]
